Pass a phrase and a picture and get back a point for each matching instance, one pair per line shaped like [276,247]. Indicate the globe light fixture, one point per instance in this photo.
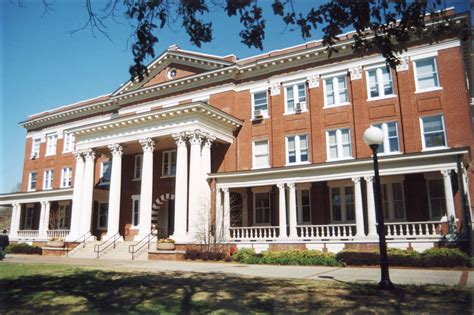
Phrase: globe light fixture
[373,137]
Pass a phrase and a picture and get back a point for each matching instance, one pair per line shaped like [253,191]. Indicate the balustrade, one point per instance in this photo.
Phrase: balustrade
[254,233]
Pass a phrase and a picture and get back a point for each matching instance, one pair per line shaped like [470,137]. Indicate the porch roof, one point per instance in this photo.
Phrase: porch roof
[36,196]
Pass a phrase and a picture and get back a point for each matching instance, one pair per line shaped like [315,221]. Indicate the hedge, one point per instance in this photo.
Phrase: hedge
[23,248]
[291,257]
[194,254]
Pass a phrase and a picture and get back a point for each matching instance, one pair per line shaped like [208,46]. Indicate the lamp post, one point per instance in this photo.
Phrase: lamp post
[373,137]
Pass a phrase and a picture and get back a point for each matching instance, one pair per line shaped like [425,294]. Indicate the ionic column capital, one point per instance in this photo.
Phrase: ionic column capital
[16,205]
[290,185]
[116,149]
[369,179]
[79,156]
[356,180]
[225,190]
[44,203]
[148,145]
[446,173]
[281,186]
[89,155]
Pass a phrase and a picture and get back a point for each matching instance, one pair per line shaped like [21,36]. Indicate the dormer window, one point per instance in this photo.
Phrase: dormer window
[172,73]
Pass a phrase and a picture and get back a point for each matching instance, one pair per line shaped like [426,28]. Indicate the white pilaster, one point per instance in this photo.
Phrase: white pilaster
[226,217]
[292,211]
[371,218]
[206,188]
[359,213]
[87,192]
[282,210]
[219,216]
[15,221]
[181,189]
[448,194]
[196,221]
[44,219]
[76,221]
[146,191]
[114,192]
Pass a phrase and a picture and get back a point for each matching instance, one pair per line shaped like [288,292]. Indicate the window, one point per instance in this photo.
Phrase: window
[295,94]
[64,217]
[28,222]
[303,206]
[433,132]
[68,142]
[379,82]
[262,208]
[135,210]
[339,144]
[260,154]
[32,181]
[105,172]
[66,177]
[169,163]
[137,171]
[335,91]
[296,149]
[393,202]
[342,204]
[48,179]
[35,148]
[436,198]
[51,144]
[172,73]
[260,104]
[426,74]
[390,139]
[102,215]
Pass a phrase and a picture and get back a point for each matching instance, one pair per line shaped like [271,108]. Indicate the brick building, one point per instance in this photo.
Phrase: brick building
[260,151]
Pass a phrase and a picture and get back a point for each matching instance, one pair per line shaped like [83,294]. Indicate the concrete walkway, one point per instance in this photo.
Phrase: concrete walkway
[463,278]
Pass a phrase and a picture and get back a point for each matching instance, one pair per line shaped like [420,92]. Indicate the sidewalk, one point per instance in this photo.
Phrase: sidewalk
[463,278]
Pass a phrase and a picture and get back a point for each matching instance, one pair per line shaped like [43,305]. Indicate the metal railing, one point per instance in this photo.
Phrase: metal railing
[134,249]
[99,248]
[81,240]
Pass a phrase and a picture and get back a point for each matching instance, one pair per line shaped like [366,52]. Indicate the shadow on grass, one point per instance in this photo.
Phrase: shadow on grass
[99,291]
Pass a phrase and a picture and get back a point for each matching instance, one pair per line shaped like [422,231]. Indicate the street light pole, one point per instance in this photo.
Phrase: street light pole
[374,138]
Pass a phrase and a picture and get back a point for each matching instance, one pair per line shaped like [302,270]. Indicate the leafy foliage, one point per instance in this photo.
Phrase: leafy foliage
[194,254]
[290,257]
[23,248]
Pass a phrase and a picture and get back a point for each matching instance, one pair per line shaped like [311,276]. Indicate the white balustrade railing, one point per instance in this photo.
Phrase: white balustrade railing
[327,231]
[57,233]
[254,233]
[428,229]
[28,234]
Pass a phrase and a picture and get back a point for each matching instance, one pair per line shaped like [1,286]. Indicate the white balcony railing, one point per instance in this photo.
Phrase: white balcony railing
[428,229]
[328,231]
[29,234]
[57,233]
[254,233]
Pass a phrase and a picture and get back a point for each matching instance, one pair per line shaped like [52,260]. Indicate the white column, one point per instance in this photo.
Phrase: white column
[371,218]
[114,192]
[15,221]
[226,217]
[448,194]
[76,221]
[292,211]
[206,188]
[359,213]
[87,192]
[181,189]
[282,210]
[219,216]
[146,191]
[44,219]
[196,221]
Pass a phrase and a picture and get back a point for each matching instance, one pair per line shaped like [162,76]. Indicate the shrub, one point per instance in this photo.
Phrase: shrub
[291,257]
[194,254]
[444,257]
[23,248]
[358,258]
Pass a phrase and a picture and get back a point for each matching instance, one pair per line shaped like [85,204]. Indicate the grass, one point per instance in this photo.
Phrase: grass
[41,288]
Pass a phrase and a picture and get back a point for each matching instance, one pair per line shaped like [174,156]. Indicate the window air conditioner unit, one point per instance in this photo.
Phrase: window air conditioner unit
[299,106]
[258,114]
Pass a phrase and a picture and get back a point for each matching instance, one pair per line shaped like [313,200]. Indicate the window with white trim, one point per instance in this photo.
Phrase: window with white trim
[426,74]
[66,177]
[295,94]
[335,91]
[261,157]
[169,163]
[433,132]
[28,221]
[102,215]
[135,210]
[379,82]
[64,217]
[259,104]
[436,198]
[137,169]
[32,181]
[48,179]
[342,204]
[393,201]
[339,144]
[35,148]
[303,206]
[51,140]
[105,172]
[390,142]
[262,208]
[296,149]
[68,144]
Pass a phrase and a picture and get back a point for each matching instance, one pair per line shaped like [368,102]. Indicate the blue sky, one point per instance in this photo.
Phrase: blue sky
[43,66]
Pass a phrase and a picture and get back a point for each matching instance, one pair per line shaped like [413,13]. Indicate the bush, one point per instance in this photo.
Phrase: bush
[291,257]
[444,257]
[194,254]
[23,248]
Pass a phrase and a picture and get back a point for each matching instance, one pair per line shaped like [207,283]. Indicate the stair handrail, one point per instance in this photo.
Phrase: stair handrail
[81,240]
[107,243]
[146,241]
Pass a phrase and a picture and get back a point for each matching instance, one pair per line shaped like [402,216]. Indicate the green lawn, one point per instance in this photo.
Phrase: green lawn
[29,288]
